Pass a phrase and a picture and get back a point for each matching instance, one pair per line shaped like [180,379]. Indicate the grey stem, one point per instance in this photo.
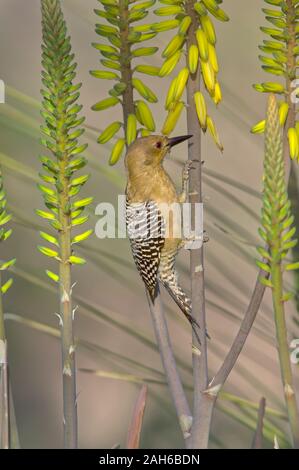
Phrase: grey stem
[200,362]
[170,367]
[258,435]
[156,309]
[4,383]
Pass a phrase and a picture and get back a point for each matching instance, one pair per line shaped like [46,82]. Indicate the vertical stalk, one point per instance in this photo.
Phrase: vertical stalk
[278,304]
[277,232]
[170,367]
[156,309]
[68,349]
[4,383]
[62,130]
[283,351]
[291,167]
[291,75]
[258,435]
[125,61]
[200,362]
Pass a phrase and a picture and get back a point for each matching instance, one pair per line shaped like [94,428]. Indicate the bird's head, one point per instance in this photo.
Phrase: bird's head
[150,151]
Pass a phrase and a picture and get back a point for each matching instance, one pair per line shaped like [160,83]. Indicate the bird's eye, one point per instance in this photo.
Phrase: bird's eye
[158,145]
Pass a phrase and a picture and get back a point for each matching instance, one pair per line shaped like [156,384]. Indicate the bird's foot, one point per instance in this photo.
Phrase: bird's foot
[195,241]
[185,180]
[187,168]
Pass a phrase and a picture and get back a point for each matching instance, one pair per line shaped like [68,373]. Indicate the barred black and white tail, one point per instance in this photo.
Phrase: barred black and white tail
[169,278]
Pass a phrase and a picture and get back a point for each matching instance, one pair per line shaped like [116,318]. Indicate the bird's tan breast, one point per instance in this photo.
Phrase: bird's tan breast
[152,185]
[157,186]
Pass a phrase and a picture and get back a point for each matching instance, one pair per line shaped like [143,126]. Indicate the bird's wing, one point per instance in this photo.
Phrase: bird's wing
[146,230]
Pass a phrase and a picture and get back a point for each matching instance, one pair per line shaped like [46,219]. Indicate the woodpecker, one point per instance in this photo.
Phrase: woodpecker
[151,227]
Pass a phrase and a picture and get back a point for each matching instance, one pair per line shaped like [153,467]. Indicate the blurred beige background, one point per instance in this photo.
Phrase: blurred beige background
[105,405]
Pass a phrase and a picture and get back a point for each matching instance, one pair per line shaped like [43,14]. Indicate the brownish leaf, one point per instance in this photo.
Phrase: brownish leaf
[134,431]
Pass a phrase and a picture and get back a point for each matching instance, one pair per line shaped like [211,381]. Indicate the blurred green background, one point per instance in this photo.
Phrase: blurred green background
[108,290]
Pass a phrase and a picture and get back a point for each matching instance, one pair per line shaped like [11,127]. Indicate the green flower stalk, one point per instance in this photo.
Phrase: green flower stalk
[4,286]
[195,42]
[126,44]
[277,232]
[280,58]
[125,39]
[60,187]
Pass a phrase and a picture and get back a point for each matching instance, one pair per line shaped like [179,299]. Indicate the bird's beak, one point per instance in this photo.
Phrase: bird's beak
[177,140]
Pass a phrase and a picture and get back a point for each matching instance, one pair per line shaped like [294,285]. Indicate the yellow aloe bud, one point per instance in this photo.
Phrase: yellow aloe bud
[109,132]
[181,83]
[193,58]
[168,11]
[220,15]
[212,128]
[201,109]
[173,46]
[184,26]
[131,128]
[144,90]
[211,5]
[117,151]
[105,104]
[293,143]
[273,87]
[283,113]
[170,95]
[202,42]
[145,115]
[259,128]
[209,77]
[218,94]
[213,8]
[170,64]
[213,58]
[144,51]
[200,9]
[104,74]
[208,28]
[172,118]
[164,25]
[147,69]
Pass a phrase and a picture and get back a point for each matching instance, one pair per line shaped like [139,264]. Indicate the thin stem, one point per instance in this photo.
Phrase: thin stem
[291,75]
[200,361]
[125,61]
[57,62]
[230,360]
[258,436]
[241,337]
[258,293]
[283,351]
[291,167]
[135,428]
[170,367]
[14,433]
[156,309]
[4,383]
[68,348]
[281,330]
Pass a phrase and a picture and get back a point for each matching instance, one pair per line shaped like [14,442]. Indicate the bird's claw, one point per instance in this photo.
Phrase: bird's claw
[187,167]
[195,241]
